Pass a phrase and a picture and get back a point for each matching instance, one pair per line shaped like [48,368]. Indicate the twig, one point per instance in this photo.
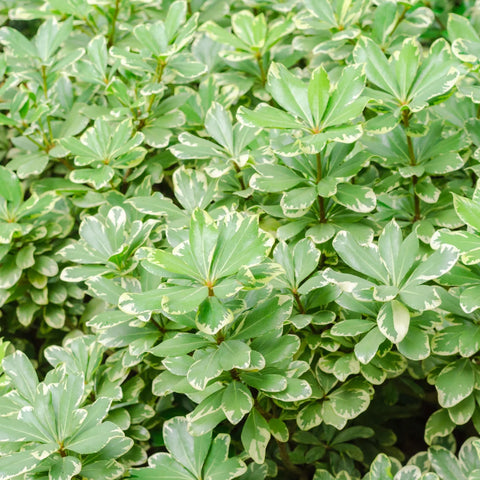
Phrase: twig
[413,162]
[45,92]
[321,201]
[111,36]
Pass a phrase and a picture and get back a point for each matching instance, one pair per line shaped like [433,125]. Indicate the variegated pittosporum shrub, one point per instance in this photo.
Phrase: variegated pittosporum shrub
[239,239]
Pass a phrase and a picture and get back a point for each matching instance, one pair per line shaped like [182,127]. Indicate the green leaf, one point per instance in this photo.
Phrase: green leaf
[218,466]
[274,178]
[420,297]
[240,243]
[467,243]
[153,37]
[207,414]
[65,469]
[381,468]
[377,68]
[330,417]
[7,231]
[237,401]
[93,232]
[469,342]
[278,429]
[181,344]
[97,177]
[234,354]
[266,382]
[323,9]
[25,257]
[427,191]
[382,124]
[223,36]
[166,382]
[186,449]
[360,257]
[14,430]
[297,201]
[249,28]
[173,263]
[345,366]
[296,390]
[342,134]
[310,416]
[409,472]
[17,43]
[469,456]
[323,475]
[460,27]
[108,468]
[175,300]
[212,316]
[78,274]
[219,126]
[49,37]
[444,163]
[393,320]
[327,187]
[289,92]
[266,316]
[462,412]
[45,266]
[37,205]
[406,65]
[19,463]
[191,146]
[439,424]
[389,244]
[305,257]
[353,433]
[265,116]
[344,104]
[407,255]
[164,468]
[22,374]
[444,463]
[318,94]
[470,299]
[255,436]
[276,350]
[192,188]
[436,265]
[349,283]
[94,439]
[439,64]
[349,401]
[11,187]
[67,396]
[385,293]
[203,370]
[455,382]
[468,210]
[416,345]
[357,198]
[175,19]
[352,327]
[97,52]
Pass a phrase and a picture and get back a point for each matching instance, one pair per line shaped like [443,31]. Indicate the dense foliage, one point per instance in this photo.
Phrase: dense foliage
[240,239]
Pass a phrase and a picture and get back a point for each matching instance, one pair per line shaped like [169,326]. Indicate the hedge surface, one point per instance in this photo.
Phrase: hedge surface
[240,239]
